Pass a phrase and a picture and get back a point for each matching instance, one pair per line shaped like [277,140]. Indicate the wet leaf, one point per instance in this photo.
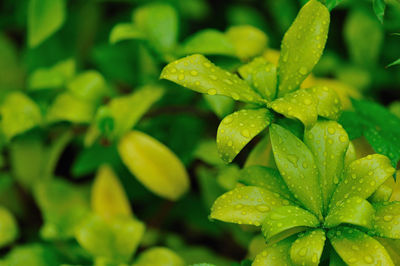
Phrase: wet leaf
[357,248]
[238,129]
[362,177]
[197,73]
[154,165]
[261,154]
[308,247]
[328,102]
[355,210]
[246,205]
[387,219]
[285,218]
[302,46]
[8,227]
[159,256]
[275,255]
[297,167]
[328,142]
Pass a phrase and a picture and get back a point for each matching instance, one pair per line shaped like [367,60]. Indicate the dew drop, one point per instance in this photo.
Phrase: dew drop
[303,70]
[388,218]
[194,73]
[181,77]
[212,91]
[245,133]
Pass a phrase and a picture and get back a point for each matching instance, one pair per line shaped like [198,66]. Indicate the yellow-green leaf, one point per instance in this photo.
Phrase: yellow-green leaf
[44,18]
[197,73]
[89,85]
[246,205]
[328,102]
[154,165]
[125,31]
[284,218]
[261,154]
[159,256]
[108,198]
[392,246]
[238,129]
[387,220]
[261,74]
[362,177]
[19,114]
[297,167]
[382,194]
[308,247]
[277,254]
[357,248]
[328,142]
[8,227]
[247,40]
[302,46]
[300,104]
[355,210]
[267,178]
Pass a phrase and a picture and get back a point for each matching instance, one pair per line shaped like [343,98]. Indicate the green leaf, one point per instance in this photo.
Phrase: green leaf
[67,107]
[397,62]
[126,111]
[302,46]
[160,24]
[248,41]
[351,155]
[208,42]
[363,177]
[246,205]
[54,77]
[44,18]
[355,210]
[297,167]
[221,105]
[387,219]
[207,152]
[331,4]
[154,165]
[89,86]
[379,9]
[357,248]
[197,73]
[159,256]
[266,178]
[115,239]
[261,154]
[63,207]
[392,246]
[238,129]
[8,227]
[33,254]
[300,104]
[275,255]
[308,247]
[328,142]
[284,218]
[261,74]
[125,31]
[382,194]
[228,176]
[19,114]
[352,123]
[328,102]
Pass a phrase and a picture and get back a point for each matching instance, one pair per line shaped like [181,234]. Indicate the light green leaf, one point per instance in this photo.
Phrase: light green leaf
[159,256]
[221,105]
[355,210]
[19,114]
[207,152]
[387,220]
[331,4]
[208,42]
[261,74]
[238,129]
[275,255]
[382,194]
[362,178]
[297,167]
[160,24]
[67,107]
[397,62]
[357,248]
[8,227]
[328,102]
[115,239]
[308,247]
[197,73]
[247,40]
[379,9]
[350,156]
[125,31]
[33,254]
[246,205]
[267,178]
[302,46]
[261,154]
[328,142]
[392,246]
[63,206]
[44,18]
[285,218]
[228,176]
[300,104]
[126,111]
[154,165]
[54,77]
[89,86]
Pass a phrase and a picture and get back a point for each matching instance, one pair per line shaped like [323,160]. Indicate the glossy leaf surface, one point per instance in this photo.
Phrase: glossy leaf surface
[275,255]
[308,247]
[387,220]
